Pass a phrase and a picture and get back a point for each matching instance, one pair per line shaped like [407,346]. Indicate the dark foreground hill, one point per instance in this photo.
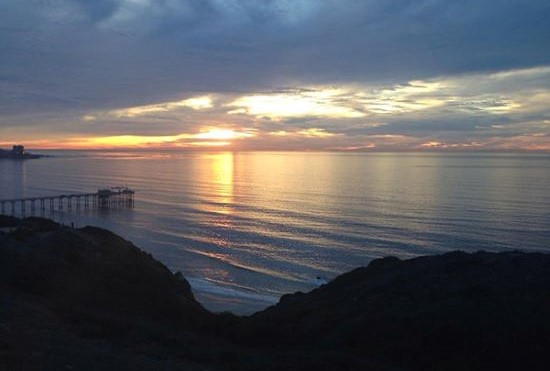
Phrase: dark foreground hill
[456,311]
[88,300]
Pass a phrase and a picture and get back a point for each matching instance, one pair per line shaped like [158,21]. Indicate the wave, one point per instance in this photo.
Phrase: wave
[204,285]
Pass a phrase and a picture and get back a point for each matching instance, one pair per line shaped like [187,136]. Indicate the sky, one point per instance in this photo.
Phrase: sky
[335,75]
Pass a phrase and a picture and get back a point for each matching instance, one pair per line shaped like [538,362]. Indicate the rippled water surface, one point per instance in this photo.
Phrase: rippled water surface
[246,228]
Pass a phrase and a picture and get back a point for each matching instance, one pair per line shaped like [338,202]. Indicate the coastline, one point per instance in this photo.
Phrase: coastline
[69,295]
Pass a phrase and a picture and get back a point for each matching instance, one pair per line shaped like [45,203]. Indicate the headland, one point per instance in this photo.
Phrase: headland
[18,153]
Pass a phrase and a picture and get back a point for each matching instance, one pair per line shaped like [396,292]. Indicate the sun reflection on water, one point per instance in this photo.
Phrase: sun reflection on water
[218,177]
[222,174]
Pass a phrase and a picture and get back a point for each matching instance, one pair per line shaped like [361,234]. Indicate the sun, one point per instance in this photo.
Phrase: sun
[221,134]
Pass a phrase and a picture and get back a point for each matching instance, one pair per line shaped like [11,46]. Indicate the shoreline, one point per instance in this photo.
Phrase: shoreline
[89,299]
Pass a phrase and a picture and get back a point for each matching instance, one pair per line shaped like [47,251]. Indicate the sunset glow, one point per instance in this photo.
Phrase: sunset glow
[208,138]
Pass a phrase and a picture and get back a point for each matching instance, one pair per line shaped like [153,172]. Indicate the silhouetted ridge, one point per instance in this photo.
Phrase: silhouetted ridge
[452,311]
[87,299]
[94,273]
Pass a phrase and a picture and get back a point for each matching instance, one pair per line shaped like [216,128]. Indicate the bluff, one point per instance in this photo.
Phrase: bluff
[87,299]
[69,297]
[457,311]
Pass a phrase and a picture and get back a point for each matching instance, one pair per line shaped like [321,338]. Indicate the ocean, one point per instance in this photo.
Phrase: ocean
[247,227]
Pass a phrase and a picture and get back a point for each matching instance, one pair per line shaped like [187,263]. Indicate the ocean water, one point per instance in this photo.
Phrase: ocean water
[246,228]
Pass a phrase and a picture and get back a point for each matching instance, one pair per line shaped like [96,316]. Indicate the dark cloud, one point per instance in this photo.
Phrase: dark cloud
[98,10]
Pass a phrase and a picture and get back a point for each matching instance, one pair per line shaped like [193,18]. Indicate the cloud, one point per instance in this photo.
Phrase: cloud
[454,112]
[296,103]
[306,133]
[483,95]
[121,52]
[196,103]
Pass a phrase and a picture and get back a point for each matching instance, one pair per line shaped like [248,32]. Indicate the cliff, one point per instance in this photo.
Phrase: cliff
[87,299]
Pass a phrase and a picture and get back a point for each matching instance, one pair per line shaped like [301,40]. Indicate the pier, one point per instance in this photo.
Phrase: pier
[105,198]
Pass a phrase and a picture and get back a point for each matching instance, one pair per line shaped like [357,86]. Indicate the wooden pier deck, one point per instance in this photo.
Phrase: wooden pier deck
[105,198]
